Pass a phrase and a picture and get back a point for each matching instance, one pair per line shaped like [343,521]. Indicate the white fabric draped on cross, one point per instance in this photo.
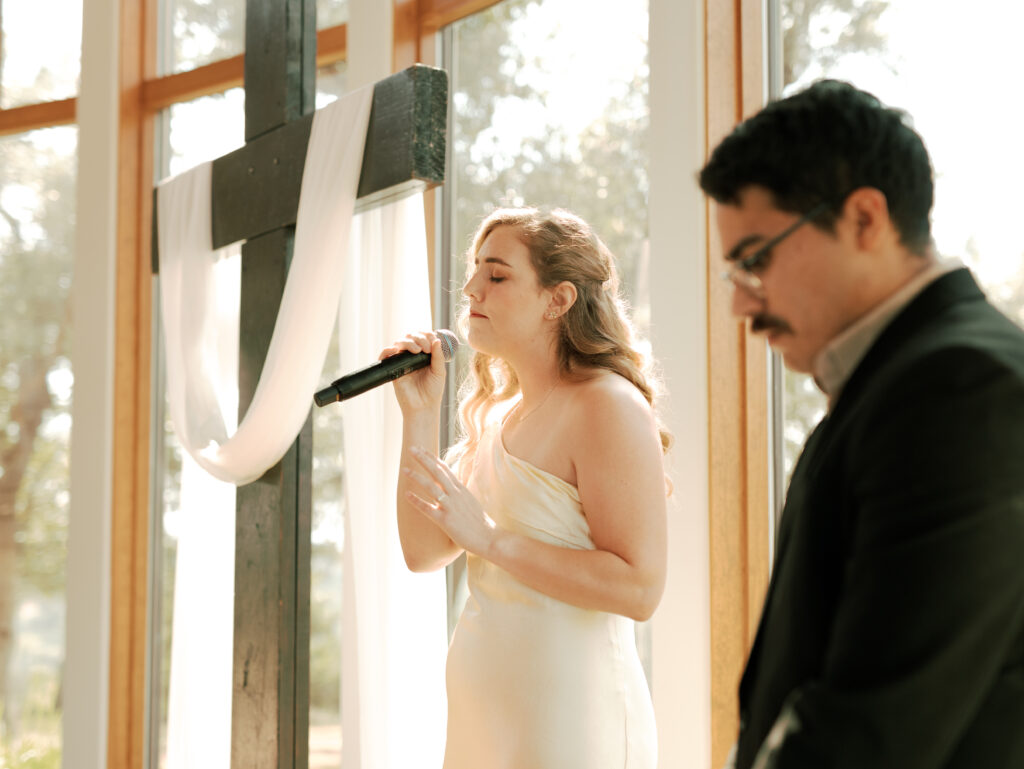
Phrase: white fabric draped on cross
[298,346]
[394,622]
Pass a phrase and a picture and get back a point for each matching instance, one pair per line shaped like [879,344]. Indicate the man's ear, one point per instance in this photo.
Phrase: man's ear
[866,217]
[563,296]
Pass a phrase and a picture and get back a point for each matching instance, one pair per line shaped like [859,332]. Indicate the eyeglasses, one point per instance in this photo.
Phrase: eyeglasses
[743,272]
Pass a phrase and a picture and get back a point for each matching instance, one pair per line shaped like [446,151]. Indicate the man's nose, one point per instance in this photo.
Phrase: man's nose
[745,303]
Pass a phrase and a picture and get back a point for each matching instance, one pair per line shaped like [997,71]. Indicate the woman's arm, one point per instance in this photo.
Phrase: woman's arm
[425,546]
[620,476]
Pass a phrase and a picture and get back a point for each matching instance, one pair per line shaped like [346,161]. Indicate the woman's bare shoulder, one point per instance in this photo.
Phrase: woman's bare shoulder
[607,410]
[605,392]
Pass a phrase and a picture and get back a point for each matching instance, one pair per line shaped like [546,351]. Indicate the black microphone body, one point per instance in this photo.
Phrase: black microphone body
[383,371]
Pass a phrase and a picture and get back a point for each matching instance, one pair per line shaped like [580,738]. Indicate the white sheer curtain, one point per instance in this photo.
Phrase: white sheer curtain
[394,622]
[199,701]
[394,625]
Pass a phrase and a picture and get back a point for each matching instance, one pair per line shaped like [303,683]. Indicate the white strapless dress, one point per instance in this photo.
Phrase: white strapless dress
[535,683]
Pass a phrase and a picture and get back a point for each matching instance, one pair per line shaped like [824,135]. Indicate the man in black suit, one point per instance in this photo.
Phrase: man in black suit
[892,633]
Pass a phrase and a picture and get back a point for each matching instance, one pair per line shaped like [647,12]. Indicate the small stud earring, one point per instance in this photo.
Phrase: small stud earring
[552,315]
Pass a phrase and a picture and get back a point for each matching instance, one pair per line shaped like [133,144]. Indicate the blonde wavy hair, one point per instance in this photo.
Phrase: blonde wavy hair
[595,333]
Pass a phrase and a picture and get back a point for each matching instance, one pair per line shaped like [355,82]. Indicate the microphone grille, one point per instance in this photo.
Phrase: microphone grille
[449,343]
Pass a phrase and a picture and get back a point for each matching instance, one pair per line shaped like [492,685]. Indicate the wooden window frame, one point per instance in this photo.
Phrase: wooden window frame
[740,501]
[740,498]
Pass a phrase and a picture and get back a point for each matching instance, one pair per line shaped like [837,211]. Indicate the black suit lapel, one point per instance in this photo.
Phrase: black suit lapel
[951,288]
[804,465]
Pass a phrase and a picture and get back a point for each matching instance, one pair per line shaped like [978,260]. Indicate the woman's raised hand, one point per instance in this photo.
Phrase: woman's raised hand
[419,390]
[442,497]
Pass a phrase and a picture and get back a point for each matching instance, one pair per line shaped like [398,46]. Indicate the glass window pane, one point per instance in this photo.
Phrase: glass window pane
[37,213]
[331,13]
[203,31]
[167,483]
[879,46]
[204,129]
[40,59]
[330,83]
[550,109]
[198,32]
[325,580]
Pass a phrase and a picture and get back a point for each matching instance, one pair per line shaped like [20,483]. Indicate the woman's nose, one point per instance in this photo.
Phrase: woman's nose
[470,287]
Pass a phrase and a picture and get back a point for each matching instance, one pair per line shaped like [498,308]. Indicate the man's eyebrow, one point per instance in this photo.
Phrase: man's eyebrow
[735,251]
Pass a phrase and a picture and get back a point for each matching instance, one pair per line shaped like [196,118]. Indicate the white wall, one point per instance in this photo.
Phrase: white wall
[86,673]
[681,629]
[370,42]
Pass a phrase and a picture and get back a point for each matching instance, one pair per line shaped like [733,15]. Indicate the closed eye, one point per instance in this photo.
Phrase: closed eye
[758,260]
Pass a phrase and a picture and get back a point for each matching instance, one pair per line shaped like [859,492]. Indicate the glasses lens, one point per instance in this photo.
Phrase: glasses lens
[743,279]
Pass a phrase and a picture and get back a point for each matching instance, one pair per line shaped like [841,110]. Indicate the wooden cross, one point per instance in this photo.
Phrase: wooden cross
[255,195]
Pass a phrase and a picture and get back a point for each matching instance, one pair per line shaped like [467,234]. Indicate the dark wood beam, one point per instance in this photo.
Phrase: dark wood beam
[270,692]
[270,702]
[280,63]
[255,189]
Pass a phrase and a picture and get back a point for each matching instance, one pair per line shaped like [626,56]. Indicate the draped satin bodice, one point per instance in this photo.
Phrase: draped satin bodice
[533,681]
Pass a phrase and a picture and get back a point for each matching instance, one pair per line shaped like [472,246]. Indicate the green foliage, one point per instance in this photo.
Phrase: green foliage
[203,31]
[326,557]
[36,237]
[43,530]
[37,220]
[599,173]
[30,754]
[37,214]
[325,629]
[38,746]
[818,33]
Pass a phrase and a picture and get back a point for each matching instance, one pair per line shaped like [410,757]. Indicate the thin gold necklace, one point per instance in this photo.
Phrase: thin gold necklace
[521,419]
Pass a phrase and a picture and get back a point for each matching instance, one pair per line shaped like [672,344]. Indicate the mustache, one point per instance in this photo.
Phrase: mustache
[763,322]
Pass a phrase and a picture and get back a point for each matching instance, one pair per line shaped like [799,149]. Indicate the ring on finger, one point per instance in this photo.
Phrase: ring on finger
[441,499]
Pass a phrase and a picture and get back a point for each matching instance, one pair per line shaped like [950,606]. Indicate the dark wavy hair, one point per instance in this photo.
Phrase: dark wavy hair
[595,333]
[821,144]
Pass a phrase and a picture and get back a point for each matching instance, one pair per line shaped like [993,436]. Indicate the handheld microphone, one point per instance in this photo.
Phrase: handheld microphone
[384,371]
